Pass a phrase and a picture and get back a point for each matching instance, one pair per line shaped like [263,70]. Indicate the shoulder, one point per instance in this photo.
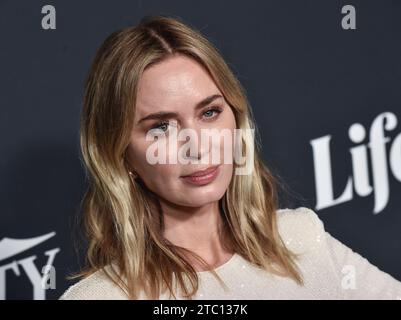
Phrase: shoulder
[301,229]
[97,286]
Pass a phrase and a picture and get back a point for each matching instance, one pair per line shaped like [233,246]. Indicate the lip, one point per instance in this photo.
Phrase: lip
[203,177]
[202,172]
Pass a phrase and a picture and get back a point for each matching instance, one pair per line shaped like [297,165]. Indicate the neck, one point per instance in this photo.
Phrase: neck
[198,229]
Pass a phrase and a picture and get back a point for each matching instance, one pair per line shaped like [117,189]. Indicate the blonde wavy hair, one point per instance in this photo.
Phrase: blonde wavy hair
[122,219]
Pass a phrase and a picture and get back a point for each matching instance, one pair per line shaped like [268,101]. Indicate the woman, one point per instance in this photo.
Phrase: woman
[185,230]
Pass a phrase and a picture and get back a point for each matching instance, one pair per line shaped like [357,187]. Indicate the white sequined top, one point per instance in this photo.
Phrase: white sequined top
[330,270]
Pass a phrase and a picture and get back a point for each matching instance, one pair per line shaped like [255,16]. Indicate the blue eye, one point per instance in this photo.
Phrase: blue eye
[161,126]
[210,113]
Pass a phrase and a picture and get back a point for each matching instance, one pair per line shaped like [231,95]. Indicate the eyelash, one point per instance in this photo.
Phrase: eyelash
[218,110]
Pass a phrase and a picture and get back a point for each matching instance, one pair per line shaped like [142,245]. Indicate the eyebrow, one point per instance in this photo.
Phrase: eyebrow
[167,114]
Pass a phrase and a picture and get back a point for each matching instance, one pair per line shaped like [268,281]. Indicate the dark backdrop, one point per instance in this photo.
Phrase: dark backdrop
[306,78]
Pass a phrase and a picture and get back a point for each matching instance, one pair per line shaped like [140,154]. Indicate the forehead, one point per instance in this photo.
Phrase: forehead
[175,84]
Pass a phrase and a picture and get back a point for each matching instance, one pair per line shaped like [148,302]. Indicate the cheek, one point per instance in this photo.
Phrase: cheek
[225,177]
[164,180]
[165,172]
[137,155]
[150,172]
[229,119]
[226,144]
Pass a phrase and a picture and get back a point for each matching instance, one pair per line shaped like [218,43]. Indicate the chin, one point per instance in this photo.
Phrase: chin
[196,198]
[198,202]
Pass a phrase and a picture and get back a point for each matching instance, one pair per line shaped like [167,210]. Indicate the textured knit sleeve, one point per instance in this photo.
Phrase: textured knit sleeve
[97,286]
[359,279]
[337,272]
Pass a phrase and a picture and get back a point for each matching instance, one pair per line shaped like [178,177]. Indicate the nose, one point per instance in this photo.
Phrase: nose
[192,148]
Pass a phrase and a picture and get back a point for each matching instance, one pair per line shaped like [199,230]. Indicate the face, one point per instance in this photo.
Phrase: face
[173,95]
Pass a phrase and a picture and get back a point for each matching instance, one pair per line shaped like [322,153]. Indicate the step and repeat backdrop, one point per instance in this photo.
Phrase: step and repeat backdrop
[323,79]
